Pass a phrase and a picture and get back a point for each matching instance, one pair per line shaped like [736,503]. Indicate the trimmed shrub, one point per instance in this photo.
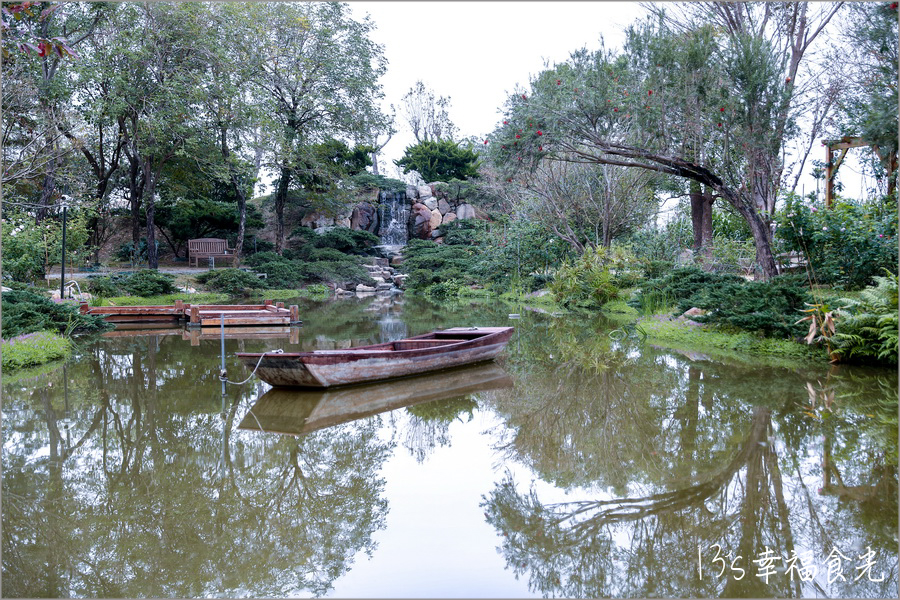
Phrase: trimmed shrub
[27,312]
[149,282]
[231,281]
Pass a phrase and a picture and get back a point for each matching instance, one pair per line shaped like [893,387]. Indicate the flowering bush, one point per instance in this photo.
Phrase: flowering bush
[847,245]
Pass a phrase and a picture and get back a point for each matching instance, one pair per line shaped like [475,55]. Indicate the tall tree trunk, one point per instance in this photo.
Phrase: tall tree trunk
[150,210]
[280,200]
[701,219]
[239,191]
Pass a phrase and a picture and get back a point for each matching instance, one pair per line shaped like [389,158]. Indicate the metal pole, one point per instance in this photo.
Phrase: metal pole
[222,328]
[62,274]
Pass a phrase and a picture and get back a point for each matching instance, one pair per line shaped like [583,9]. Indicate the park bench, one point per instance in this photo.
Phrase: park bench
[210,248]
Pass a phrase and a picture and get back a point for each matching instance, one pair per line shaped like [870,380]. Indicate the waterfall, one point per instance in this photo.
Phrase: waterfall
[393,214]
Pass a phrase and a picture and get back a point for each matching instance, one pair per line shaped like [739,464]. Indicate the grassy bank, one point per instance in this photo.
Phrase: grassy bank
[742,346]
[200,298]
[32,349]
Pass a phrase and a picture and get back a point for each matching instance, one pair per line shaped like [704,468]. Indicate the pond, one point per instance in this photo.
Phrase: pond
[585,463]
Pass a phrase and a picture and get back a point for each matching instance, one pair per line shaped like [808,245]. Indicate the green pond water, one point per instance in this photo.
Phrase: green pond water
[584,463]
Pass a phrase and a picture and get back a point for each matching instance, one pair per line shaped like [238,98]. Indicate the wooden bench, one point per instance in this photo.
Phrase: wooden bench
[211,248]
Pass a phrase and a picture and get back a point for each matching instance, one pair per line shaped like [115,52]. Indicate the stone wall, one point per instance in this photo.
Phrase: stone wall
[433,207]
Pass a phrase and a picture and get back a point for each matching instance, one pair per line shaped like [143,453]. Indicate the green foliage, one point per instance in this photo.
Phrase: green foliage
[847,245]
[26,312]
[28,246]
[195,298]
[313,262]
[429,263]
[445,411]
[187,219]
[34,349]
[771,308]
[103,286]
[440,160]
[443,290]
[125,252]
[148,282]
[348,241]
[585,281]
[233,282]
[369,181]
[867,327]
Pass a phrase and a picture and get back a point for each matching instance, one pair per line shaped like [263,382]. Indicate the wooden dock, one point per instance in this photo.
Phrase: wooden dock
[202,315]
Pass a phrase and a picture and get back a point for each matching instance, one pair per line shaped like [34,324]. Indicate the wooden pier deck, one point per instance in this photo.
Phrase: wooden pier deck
[201,315]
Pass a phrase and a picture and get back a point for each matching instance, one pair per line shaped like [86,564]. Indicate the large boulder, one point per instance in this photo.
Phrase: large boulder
[420,217]
[436,218]
[412,191]
[364,217]
[465,211]
[424,191]
[443,206]
[430,203]
[449,217]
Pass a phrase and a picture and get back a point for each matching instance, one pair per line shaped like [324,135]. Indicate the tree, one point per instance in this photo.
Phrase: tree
[426,115]
[588,205]
[181,220]
[869,106]
[440,160]
[320,80]
[600,107]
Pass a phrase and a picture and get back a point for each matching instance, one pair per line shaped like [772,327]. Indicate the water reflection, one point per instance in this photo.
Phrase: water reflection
[299,412]
[616,466]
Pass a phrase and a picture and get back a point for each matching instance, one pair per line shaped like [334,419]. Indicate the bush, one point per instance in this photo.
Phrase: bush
[33,349]
[771,308]
[866,329]
[443,290]
[335,272]
[585,281]
[125,252]
[149,282]
[103,286]
[282,273]
[27,312]
[369,181]
[231,281]
[348,241]
[848,245]
[440,160]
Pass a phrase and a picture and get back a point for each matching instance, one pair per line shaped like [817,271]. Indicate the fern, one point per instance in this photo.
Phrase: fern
[867,328]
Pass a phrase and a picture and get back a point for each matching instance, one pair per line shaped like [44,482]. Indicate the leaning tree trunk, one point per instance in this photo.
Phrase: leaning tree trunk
[150,210]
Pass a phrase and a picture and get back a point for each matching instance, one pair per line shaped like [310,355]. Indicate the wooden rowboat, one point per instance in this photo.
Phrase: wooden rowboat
[421,354]
[298,412]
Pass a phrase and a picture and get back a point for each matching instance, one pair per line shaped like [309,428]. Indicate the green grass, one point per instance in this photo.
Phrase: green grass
[34,349]
[743,345]
[619,307]
[199,298]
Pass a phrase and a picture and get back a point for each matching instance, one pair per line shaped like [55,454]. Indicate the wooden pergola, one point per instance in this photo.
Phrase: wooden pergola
[843,144]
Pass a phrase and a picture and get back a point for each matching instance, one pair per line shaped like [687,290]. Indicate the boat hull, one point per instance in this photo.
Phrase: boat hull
[324,369]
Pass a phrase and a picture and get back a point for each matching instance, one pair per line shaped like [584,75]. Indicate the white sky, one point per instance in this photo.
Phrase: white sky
[478,52]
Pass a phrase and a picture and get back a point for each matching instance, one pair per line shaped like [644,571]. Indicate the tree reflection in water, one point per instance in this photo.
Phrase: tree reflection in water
[672,462]
[161,483]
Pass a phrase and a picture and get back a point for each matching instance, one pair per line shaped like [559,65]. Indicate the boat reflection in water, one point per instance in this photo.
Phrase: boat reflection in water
[297,412]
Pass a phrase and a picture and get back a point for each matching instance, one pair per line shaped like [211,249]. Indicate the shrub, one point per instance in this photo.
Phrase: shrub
[443,290]
[282,273]
[103,286]
[335,272]
[125,252]
[33,349]
[846,245]
[440,160]
[259,258]
[585,281]
[231,281]
[348,241]
[317,254]
[678,285]
[866,329]
[369,181]
[27,312]
[149,282]
[771,308]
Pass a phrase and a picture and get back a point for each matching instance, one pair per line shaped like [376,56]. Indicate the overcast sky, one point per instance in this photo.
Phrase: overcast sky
[478,52]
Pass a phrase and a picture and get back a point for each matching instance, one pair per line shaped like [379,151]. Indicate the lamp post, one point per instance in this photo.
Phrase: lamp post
[62,273]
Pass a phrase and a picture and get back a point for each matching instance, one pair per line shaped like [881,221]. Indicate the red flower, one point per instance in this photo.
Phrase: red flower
[485,142]
[518,136]
[649,92]
[539,132]
[894,5]
[540,148]
[559,82]
[788,80]
[722,109]
[506,122]
[720,124]
[509,180]
[615,110]
[523,97]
